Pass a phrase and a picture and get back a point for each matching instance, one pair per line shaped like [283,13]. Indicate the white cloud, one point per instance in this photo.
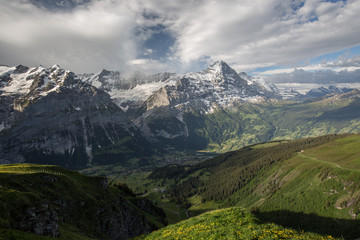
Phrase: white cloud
[148,66]
[263,33]
[109,34]
[319,76]
[349,64]
[88,38]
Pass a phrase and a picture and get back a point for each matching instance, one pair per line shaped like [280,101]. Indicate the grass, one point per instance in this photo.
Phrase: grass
[299,186]
[306,187]
[28,168]
[344,152]
[67,233]
[174,212]
[77,200]
[230,223]
[303,185]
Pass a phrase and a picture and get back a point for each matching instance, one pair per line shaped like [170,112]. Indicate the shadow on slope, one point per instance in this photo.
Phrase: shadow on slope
[346,228]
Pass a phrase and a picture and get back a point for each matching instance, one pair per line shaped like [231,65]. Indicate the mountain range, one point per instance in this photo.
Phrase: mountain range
[54,116]
[125,125]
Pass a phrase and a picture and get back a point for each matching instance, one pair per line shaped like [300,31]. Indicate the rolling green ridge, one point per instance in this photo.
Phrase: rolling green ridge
[229,223]
[300,189]
[55,202]
[311,184]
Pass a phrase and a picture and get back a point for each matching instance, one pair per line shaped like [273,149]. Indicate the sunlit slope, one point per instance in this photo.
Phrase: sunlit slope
[229,223]
[311,184]
[344,152]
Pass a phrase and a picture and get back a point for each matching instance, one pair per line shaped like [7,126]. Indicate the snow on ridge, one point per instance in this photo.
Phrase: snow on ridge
[20,83]
[140,92]
[4,70]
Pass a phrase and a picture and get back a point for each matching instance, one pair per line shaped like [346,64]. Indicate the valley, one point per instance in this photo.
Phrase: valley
[188,148]
[179,120]
[309,184]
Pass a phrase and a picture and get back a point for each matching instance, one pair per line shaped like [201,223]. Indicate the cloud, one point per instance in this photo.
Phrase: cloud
[260,33]
[177,35]
[320,77]
[342,64]
[98,35]
[149,66]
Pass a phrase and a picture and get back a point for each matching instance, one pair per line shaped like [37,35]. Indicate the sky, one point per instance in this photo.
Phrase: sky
[261,37]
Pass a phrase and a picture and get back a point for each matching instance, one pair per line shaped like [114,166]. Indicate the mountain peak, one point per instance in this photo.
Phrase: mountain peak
[220,66]
[55,66]
[220,62]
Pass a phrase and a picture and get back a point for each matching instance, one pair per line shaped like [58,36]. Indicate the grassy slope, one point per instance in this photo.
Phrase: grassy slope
[315,190]
[27,185]
[230,223]
[316,180]
[318,185]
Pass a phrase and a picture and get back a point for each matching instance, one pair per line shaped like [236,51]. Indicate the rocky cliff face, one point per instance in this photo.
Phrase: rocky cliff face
[164,113]
[52,117]
[218,85]
[129,90]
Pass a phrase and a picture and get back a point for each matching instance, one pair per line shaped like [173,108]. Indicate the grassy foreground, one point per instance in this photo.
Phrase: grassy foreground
[229,223]
[55,202]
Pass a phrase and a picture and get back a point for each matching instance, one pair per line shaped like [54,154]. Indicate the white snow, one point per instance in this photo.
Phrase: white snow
[140,92]
[2,126]
[77,108]
[4,70]
[302,88]
[19,84]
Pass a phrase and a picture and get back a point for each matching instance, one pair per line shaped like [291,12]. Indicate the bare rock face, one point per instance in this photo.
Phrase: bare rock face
[50,116]
[219,86]
[129,90]
[160,98]
[40,220]
[53,116]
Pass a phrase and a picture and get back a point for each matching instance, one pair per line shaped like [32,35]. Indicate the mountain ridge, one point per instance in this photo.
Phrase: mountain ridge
[51,114]
[56,118]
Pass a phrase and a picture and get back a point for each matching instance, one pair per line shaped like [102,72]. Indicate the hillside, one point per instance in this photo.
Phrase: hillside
[310,184]
[230,223]
[54,202]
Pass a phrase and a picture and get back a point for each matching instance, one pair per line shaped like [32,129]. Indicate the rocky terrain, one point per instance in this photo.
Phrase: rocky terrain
[50,116]
[53,116]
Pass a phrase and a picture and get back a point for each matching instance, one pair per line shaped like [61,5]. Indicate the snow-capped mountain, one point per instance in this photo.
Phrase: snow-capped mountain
[217,87]
[260,83]
[49,115]
[129,90]
[21,86]
[322,91]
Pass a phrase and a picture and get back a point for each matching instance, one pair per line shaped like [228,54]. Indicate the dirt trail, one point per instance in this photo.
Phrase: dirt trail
[331,163]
